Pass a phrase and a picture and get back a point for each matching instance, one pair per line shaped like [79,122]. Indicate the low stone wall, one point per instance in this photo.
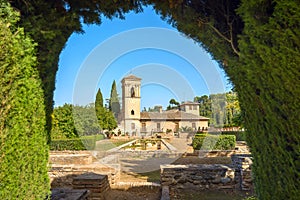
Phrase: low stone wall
[212,153]
[234,176]
[198,176]
[71,157]
[62,175]
[66,165]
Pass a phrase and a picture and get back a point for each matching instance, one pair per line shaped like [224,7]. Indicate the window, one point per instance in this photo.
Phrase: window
[190,107]
[132,112]
[158,126]
[194,125]
[132,92]
[132,126]
[144,127]
[195,107]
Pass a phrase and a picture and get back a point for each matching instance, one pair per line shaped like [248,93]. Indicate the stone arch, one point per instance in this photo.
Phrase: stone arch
[132,92]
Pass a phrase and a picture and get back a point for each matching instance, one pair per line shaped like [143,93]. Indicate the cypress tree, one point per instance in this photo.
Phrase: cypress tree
[105,117]
[114,104]
[99,108]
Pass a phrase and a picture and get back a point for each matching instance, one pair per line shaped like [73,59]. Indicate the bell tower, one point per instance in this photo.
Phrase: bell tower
[131,104]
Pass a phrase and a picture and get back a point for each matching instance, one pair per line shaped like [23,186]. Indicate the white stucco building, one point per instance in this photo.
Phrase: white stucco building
[135,122]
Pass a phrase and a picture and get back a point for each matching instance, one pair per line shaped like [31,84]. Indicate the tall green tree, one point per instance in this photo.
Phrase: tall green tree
[114,103]
[23,138]
[105,117]
[99,100]
[99,109]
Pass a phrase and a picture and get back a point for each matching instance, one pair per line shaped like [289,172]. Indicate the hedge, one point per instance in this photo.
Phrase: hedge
[23,138]
[240,135]
[76,144]
[214,142]
[72,144]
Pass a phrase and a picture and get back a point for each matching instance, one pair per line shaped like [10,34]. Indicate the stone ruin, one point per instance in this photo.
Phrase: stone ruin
[80,177]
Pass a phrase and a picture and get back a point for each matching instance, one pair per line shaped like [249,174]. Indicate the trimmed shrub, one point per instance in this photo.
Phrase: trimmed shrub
[23,138]
[239,135]
[214,142]
[75,144]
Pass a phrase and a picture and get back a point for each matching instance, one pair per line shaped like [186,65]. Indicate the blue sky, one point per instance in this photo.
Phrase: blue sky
[170,64]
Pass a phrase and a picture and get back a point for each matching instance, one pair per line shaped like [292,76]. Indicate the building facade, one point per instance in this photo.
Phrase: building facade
[135,122]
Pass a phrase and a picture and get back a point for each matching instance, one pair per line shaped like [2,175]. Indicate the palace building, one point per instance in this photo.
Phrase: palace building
[135,122]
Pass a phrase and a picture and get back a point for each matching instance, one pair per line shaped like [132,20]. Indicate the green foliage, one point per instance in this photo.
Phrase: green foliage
[204,105]
[75,144]
[98,101]
[23,141]
[62,122]
[213,142]
[186,129]
[240,135]
[250,198]
[85,120]
[105,117]
[222,109]
[173,104]
[69,121]
[269,92]
[114,104]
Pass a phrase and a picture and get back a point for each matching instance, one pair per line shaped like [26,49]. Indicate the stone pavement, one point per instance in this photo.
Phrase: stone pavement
[182,143]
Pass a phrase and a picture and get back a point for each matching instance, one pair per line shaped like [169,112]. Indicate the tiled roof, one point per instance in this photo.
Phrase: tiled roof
[171,115]
[190,103]
[131,77]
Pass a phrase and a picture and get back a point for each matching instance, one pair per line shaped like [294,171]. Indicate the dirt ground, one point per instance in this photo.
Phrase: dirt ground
[136,193]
